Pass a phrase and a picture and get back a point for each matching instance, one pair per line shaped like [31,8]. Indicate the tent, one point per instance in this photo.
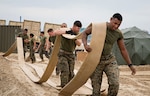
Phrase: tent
[137,43]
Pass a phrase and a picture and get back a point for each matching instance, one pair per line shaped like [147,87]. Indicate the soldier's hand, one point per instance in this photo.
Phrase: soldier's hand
[34,48]
[133,70]
[88,48]
[26,40]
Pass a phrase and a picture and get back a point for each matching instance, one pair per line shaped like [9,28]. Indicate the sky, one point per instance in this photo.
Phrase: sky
[134,12]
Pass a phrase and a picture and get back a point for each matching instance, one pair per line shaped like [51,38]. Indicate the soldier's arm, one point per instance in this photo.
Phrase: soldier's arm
[84,38]
[125,55]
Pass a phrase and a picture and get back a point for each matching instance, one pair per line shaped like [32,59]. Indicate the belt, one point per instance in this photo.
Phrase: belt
[107,57]
[63,51]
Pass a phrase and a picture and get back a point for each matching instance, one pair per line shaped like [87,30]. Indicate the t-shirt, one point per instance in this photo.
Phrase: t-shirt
[52,39]
[42,40]
[111,38]
[32,42]
[68,44]
[24,36]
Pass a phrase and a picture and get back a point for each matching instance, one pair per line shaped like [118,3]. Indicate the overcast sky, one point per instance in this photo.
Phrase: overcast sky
[134,12]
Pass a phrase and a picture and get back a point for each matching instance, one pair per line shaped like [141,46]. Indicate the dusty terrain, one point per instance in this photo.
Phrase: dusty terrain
[13,81]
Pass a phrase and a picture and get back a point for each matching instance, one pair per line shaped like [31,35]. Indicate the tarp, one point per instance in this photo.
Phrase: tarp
[137,43]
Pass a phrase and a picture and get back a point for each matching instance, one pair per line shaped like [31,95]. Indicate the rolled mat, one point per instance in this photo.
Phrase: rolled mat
[50,67]
[10,50]
[53,59]
[51,64]
[90,62]
[87,68]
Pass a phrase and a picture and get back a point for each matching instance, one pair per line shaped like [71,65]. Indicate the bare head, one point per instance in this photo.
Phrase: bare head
[50,31]
[31,35]
[25,31]
[115,21]
[42,33]
[63,25]
[76,26]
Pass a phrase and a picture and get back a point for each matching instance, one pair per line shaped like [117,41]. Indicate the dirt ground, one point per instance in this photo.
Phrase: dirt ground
[14,82]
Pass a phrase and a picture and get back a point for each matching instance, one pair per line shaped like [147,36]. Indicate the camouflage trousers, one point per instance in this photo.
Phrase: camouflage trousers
[32,56]
[25,50]
[66,66]
[42,51]
[108,65]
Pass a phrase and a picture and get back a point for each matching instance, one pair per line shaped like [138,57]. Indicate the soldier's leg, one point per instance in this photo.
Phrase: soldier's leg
[34,59]
[64,68]
[50,51]
[29,57]
[112,73]
[96,79]
[24,52]
[32,56]
[71,66]
[41,53]
[46,54]
[57,69]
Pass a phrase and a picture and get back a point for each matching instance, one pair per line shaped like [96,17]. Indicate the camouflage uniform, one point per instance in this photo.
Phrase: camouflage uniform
[51,40]
[24,36]
[66,59]
[108,64]
[32,56]
[42,48]
[66,67]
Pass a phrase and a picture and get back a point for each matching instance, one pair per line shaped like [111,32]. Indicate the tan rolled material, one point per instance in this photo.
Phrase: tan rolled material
[11,49]
[51,64]
[87,68]
[90,63]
